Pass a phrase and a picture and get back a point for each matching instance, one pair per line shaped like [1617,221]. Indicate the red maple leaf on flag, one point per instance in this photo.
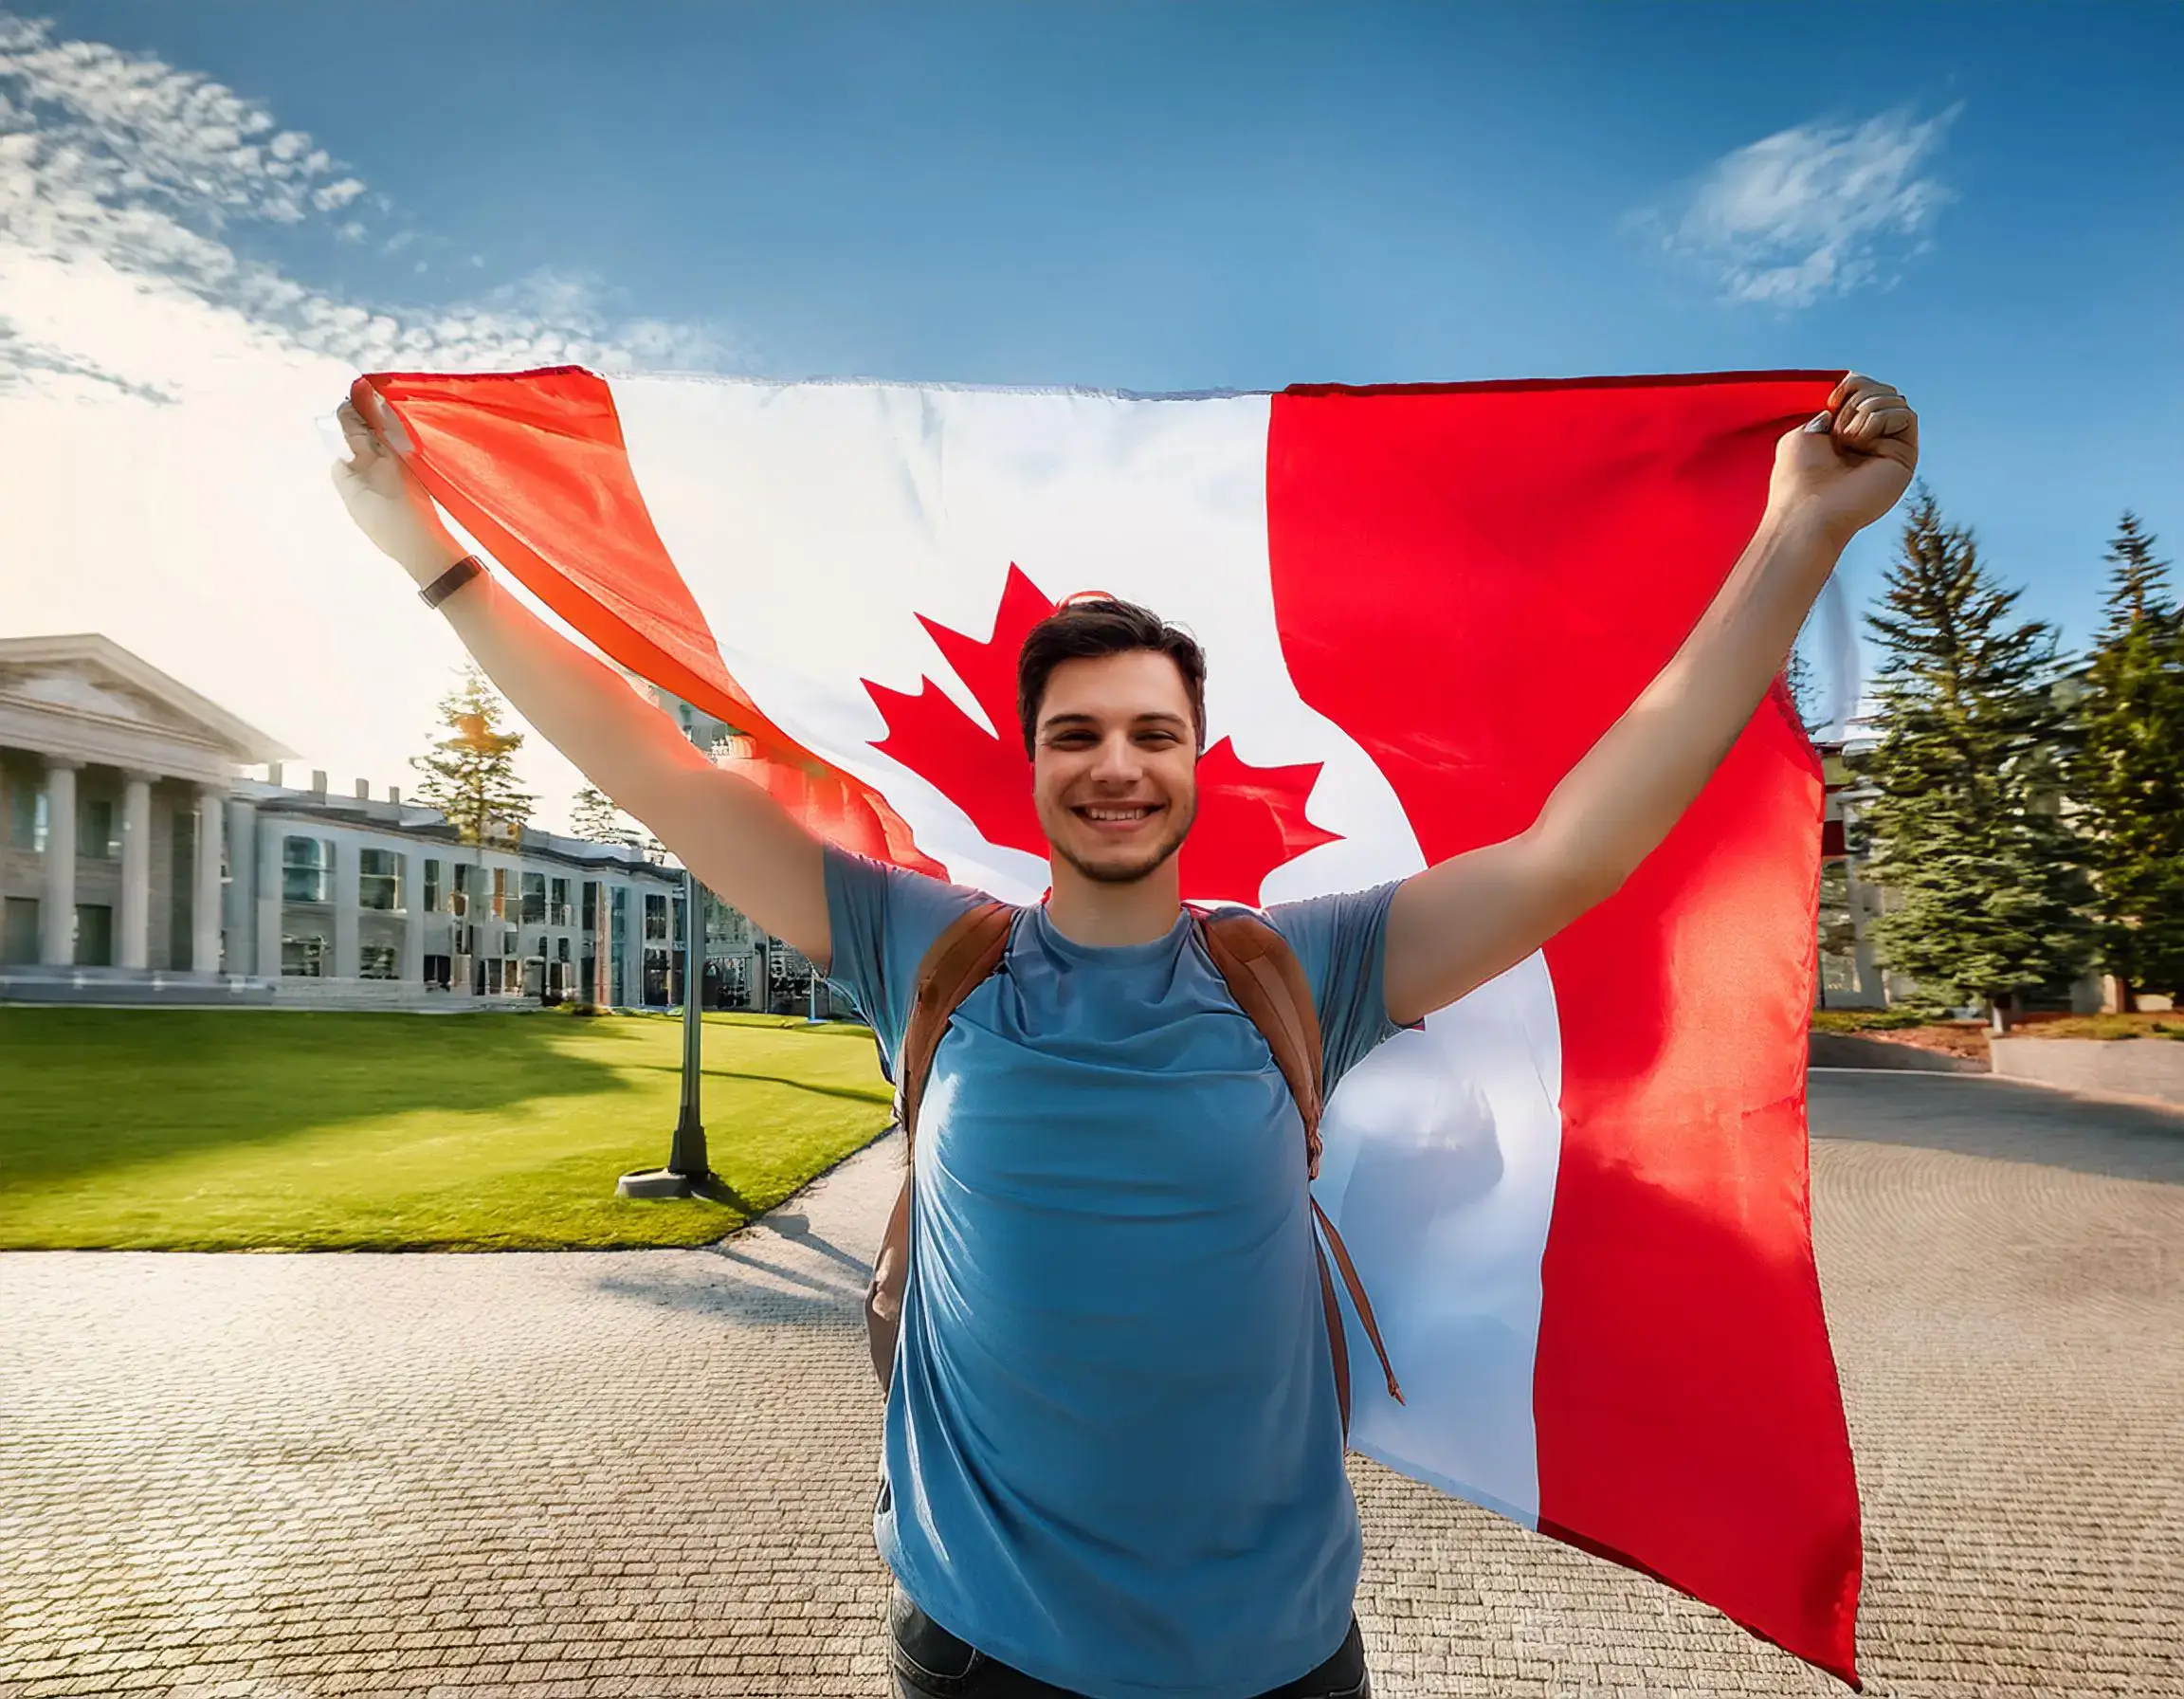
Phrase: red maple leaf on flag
[1250,819]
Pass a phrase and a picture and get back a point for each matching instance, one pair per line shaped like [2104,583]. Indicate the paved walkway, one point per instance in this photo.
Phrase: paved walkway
[649,1475]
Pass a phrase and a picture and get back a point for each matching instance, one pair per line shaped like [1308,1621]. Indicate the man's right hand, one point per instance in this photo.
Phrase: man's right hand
[388,505]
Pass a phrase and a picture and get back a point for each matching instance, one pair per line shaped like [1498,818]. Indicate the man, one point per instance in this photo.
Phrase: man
[1114,1453]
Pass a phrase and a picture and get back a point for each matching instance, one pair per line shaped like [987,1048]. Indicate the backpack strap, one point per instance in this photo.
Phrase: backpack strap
[1268,983]
[961,959]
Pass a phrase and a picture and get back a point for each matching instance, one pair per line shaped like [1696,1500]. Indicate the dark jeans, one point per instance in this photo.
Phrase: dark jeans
[931,1663]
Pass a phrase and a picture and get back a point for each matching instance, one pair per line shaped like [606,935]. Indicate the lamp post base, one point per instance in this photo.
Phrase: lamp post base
[668,1182]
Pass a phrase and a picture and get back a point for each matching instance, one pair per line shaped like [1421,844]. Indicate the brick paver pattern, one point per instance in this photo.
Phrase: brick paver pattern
[651,1473]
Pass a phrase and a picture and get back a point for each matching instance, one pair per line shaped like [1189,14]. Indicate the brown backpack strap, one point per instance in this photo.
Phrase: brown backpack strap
[1268,983]
[960,960]
[1338,1341]
[1358,1297]
[963,959]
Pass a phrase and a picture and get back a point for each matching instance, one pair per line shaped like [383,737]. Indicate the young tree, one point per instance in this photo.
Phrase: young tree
[470,772]
[1966,829]
[2127,775]
[595,820]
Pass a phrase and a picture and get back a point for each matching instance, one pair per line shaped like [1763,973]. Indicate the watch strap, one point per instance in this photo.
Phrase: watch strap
[448,582]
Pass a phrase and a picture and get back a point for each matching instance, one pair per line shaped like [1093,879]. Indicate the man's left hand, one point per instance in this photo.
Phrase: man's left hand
[1846,475]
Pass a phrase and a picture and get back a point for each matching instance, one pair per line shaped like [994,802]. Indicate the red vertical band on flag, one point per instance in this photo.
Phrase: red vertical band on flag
[532,465]
[1474,582]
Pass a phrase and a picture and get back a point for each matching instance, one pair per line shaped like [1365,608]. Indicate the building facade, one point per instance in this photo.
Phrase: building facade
[138,867]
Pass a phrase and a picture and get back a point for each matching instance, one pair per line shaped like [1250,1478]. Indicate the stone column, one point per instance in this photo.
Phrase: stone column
[593,989]
[133,948]
[348,958]
[242,917]
[204,917]
[268,917]
[413,919]
[57,904]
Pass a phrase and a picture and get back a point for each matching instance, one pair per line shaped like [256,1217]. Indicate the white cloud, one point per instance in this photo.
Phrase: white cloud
[337,195]
[160,396]
[1818,209]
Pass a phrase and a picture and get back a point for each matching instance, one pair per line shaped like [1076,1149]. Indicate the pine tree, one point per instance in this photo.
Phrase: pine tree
[2127,778]
[470,774]
[1966,830]
[1797,680]
[596,820]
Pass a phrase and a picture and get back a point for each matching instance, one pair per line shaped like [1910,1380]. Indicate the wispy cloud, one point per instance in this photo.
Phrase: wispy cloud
[117,162]
[1822,208]
[159,388]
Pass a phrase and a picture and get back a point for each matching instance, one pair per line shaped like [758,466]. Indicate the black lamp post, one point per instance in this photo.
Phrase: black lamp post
[689,1172]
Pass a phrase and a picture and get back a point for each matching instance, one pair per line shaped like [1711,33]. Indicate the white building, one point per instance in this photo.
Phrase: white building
[136,866]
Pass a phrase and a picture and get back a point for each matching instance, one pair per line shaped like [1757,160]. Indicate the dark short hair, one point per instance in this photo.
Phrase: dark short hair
[1084,630]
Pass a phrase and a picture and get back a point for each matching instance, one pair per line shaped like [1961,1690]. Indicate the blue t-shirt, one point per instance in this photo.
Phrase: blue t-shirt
[1113,1454]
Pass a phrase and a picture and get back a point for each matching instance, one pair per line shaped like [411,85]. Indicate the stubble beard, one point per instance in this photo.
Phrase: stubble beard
[1131,872]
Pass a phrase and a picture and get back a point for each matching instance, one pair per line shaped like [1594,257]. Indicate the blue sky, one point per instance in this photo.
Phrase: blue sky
[1984,204]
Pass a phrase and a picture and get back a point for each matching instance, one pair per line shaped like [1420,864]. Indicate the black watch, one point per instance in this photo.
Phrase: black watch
[448,582]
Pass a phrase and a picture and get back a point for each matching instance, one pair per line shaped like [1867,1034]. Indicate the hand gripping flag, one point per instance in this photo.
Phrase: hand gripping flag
[1580,1196]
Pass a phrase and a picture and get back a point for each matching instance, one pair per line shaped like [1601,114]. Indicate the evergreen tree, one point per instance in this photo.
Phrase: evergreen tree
[595,820]
[2127,777]
[470,772]
[1797,680]
[1966,830]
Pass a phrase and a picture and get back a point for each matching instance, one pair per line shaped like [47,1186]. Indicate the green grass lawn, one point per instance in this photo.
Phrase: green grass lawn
[276,1129]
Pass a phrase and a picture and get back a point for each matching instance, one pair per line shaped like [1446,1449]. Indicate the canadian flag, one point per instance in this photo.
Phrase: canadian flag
[1578,1197]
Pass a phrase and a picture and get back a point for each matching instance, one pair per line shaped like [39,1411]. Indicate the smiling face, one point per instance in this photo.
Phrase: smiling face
[1114,765]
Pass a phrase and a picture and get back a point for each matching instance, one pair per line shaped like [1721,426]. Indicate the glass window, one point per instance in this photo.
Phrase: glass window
[459,905]
[590,906]
[378,962]
[560,949]
[302,956]
[657,992]
[94,935]
[439,970]
[1838,931]
[533,899]
[378,882]
[500,893]
[508,943]
[306,870]
[560,903]
[618,933]
[27,816]
[96,837]
[679,922]
[19,931]
[182,884]
[431,884]
[655,918]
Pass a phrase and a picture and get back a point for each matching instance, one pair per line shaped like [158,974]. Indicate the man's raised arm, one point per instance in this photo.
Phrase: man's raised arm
[740,843]
[1457,925]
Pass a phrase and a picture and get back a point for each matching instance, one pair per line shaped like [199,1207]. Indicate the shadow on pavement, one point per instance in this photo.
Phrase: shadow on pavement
[778,1273]
[1978,1115]
[753,1293]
